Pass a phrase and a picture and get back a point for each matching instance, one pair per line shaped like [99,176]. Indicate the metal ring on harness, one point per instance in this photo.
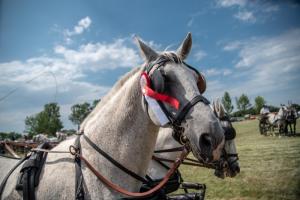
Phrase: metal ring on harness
[73,150]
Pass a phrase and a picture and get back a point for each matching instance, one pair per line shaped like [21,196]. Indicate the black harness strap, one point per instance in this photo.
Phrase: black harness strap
[116,163]
[79,190]
[3,183]
[169,150]
[29,176]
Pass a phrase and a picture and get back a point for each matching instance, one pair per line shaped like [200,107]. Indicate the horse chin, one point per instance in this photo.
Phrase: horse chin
[220,174]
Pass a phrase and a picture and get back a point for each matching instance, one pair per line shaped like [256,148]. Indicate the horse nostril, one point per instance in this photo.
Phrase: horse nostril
[205,141]
[205,144]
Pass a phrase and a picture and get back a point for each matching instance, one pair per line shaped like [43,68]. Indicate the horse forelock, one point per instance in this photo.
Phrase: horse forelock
[169,56]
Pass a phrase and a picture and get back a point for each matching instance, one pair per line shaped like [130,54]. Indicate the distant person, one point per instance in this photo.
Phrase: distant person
[264,111]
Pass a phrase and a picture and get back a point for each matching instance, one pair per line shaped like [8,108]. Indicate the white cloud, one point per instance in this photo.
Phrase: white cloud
[270,64]
[227,72]
[190,22]
[199,55]
[98,56]
[81,26]
[250,11]
[230,3]
[232,46]
[270,8]
[269,67]
[245,16]
[212,72]
[35,79]
[217,72]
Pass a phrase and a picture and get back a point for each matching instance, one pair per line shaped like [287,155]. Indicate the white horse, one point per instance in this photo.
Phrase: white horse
[165,141]
[127,130]
[276,119]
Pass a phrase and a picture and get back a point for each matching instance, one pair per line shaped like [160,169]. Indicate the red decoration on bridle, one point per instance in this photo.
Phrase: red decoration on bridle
[147,90]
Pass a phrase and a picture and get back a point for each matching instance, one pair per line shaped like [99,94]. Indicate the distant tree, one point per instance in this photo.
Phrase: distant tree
[259,102]
[10,135]
[273,108]
[243,103]
[79,113]
[296,106]
[47,121]
[226,101]
[94,104]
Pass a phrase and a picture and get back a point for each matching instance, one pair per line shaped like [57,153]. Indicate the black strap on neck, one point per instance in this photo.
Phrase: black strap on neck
[170,150]
[79,190]
[113,161]
[3,183]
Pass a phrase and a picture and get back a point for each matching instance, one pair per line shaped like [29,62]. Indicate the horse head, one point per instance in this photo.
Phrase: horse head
[173,98]
[228,165]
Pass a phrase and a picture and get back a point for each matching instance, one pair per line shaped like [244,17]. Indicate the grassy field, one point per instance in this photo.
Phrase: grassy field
[270,167]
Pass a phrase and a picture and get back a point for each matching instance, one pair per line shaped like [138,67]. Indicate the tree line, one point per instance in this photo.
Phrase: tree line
[245,107]
[48,121]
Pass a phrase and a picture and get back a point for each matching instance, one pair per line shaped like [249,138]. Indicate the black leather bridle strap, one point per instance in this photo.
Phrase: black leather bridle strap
[169,150]
[113,161]
[184,111]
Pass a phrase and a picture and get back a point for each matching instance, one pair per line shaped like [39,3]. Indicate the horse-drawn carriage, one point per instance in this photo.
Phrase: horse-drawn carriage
[279,122]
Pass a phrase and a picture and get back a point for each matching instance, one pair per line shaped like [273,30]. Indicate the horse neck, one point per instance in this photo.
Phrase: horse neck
[164,141]
[122,129]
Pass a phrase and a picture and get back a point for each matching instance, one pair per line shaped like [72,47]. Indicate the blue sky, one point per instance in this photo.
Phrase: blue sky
[74,51]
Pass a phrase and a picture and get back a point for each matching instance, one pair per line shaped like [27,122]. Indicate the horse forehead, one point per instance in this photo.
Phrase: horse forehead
[182,74]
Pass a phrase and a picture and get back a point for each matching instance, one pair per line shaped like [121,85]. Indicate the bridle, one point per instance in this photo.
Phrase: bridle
[175,121]
[219,166]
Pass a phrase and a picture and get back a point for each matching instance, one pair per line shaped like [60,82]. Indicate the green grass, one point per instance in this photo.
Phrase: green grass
[270,167]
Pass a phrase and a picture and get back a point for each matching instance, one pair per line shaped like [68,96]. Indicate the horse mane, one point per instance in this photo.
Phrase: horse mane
[111,92]
[167,56]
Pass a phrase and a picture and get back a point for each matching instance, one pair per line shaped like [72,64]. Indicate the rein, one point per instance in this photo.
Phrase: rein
[75,151]
[193,162]
[137,194]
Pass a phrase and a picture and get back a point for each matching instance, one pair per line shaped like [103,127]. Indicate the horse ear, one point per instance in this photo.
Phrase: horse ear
[215,106]
[147,53]
[221,109]
[185,47]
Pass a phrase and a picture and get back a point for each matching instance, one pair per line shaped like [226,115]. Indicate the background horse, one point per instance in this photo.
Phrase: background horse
[274,120]
[291,120]
[165,141]
[126,129]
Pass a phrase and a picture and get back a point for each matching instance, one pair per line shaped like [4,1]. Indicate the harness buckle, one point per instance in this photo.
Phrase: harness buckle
[74,151]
